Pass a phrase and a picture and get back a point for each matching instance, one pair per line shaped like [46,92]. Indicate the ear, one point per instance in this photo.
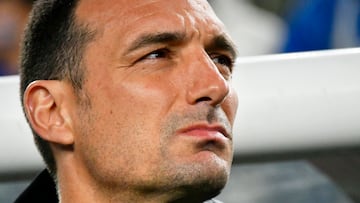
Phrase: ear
[47,105]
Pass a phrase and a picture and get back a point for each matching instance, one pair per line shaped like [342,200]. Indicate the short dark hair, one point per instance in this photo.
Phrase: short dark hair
[52,49]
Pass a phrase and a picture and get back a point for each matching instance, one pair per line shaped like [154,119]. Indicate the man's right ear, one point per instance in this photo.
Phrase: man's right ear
[48,111]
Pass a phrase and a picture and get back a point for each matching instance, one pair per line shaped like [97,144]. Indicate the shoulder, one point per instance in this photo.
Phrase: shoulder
[42,189]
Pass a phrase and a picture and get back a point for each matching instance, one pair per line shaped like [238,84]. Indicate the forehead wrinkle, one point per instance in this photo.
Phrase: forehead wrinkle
[156,38]
[203,23]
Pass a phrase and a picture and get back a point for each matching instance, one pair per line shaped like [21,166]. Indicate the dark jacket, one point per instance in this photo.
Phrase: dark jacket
[42,189]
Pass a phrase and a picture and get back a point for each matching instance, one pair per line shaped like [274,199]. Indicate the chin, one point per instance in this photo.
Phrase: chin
[200,192]
[202,185]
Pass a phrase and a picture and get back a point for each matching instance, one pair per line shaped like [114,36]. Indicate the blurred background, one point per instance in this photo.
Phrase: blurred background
[262,27]
[13,17]
[258,27]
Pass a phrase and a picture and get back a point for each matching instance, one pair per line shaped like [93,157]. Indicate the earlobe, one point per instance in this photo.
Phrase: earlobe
[47,111]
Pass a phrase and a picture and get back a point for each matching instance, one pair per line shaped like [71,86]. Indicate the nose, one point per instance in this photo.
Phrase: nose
[206,83]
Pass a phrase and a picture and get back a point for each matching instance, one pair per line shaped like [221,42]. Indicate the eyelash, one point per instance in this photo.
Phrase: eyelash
[161,53]
[221,59]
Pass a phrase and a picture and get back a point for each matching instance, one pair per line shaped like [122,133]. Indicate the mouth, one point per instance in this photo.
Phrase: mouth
[206,131]
[203,141]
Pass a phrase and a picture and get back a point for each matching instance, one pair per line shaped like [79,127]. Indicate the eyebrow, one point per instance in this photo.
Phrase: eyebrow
[221,42]
[156,38]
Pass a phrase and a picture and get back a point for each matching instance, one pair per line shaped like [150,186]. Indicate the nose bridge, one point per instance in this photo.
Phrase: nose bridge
[206,83]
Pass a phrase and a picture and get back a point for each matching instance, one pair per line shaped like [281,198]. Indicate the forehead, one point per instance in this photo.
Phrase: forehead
[139,15]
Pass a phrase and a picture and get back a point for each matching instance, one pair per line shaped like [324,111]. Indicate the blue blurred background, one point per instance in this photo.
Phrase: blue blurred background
[258,27]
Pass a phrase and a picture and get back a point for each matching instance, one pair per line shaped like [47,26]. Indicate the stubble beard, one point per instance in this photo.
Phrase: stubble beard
[200,179]
[185,182]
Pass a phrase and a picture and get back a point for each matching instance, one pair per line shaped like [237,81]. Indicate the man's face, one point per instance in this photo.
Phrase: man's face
[161,102]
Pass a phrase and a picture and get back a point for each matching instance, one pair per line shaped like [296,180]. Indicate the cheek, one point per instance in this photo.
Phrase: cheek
[230,105]
[108,147]
[124,122]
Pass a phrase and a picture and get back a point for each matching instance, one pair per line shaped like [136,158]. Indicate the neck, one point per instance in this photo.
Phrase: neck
[76,186]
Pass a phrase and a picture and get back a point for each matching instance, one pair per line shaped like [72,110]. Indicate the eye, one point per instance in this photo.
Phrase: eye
[223,60]
[224,63]
[159,53]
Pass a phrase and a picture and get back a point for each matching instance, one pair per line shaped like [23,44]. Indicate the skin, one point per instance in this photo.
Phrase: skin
[155,118]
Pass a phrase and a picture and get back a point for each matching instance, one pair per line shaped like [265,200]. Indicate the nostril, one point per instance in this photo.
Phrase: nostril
[203,99]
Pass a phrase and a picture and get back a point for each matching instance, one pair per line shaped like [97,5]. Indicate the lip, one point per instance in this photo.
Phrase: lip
[205,130]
